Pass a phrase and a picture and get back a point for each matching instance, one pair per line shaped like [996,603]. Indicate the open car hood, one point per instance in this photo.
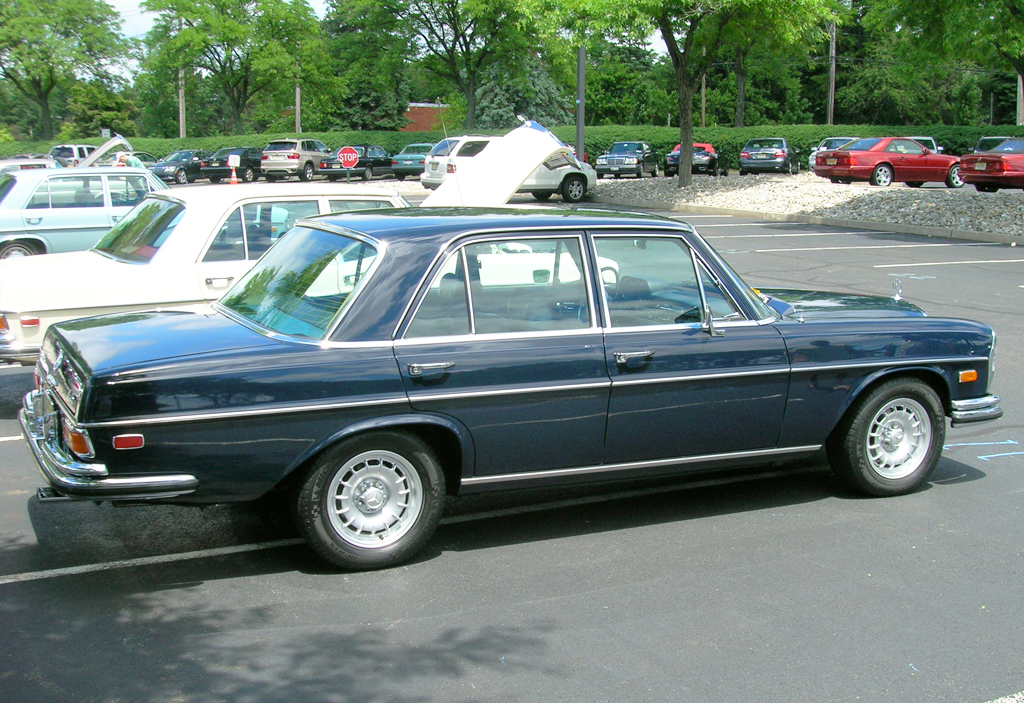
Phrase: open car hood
[494,175]
[115,142]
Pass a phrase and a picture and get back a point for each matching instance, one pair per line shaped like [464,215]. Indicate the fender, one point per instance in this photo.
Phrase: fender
[23,237]
[942,388]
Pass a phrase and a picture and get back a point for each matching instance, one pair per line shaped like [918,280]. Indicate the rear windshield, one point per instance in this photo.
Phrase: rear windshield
[280,146]
[302,283]
[138,237]
[766,144]
[861,145]
[224,153]
[443,147]
[64,152]
[6,183]
[835,143]
[1013,146]
[415,149]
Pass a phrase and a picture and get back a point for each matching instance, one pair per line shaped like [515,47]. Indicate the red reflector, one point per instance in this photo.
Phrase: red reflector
[129,441]
[29,321]
[3,323]
[264,157]
[451,167]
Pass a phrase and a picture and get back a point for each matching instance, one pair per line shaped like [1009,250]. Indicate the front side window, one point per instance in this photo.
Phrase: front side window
[528,285]
[904,146]
[301,286]
[138,236]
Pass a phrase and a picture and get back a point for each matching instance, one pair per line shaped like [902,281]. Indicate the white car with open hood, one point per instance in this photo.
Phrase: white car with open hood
[175,249]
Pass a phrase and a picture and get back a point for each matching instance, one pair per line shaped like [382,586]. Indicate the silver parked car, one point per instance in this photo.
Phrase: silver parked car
[48,210]
[293,157]
[827,144]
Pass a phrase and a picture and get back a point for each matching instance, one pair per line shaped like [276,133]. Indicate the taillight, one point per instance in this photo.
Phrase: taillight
[745,154]
[1000,166]
[780,154]
[77,440]
[421,162]
[323,164]
[264,157]
[3,324]
[202,164]
[293,155]
[451,167]
[394,162]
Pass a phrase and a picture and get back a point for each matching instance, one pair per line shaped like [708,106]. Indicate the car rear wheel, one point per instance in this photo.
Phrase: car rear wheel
[794,167]
[248,175]
[890,440]
[16,250]
[574,188]
[214,179]
[541,195]
[371,501]
[882,175]
[180,177]
[399,176]
[953,179]
[271,179]
[742,172]
[984,188]
[307,172]
[915,184]
[368,173]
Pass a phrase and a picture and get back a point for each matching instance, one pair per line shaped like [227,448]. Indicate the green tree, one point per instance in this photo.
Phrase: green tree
[247,47]
[93,107]
[47,44]
[532,93]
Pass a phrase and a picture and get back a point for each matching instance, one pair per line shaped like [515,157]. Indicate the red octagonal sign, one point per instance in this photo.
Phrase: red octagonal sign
[349,157]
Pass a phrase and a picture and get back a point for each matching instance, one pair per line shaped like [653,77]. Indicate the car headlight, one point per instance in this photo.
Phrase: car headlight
[602,159]
[629,160]
[701,159]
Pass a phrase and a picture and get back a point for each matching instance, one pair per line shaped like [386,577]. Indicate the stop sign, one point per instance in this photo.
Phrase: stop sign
[349,157]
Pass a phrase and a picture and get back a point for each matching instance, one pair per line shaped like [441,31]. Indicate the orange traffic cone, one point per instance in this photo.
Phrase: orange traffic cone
[234,178]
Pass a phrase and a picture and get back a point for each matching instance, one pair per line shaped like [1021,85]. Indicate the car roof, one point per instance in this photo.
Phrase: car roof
[203,195]
[39,174]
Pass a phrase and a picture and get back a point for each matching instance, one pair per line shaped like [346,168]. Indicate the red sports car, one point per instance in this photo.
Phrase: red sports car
[882,160]
[1001,167]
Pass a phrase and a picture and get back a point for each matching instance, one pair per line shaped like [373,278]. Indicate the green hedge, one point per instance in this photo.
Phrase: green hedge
[727,140]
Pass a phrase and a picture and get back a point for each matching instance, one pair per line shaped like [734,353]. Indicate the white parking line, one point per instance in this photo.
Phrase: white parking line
[456,519]
[880,246]
[950,263]
[10,439]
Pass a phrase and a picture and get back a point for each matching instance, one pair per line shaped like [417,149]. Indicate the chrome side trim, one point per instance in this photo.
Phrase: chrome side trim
[871,363]
[495,336]
[700,377]
[651,464]
[975,410]
[508,391]
[232,414]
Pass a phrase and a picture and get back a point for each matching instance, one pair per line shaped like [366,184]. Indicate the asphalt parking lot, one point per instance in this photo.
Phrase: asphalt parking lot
[774,586]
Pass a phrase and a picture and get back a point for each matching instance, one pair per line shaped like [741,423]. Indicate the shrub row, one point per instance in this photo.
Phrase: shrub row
[727,140]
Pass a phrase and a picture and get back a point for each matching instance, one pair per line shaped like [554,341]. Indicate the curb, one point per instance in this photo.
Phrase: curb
[944,232]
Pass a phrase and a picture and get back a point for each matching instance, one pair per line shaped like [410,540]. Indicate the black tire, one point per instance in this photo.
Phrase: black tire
[248,175]
[874,449]
[915,184]
[742,172]
[180,177]
[881,176]
[16,250]
[953,179]
[332,179]
[271,179]
[382,531]
[985,188]
[654,171]
[368,173]
[574,188]
[306,174]
[846,181]
[541,195]
[794,168]
[214,179]
[399,176]
[835,180]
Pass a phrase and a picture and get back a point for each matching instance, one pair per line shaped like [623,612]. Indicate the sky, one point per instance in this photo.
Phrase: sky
[135,22]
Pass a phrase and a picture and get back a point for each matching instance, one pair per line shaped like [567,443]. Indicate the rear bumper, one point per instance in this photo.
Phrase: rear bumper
[12,350]
[764,164]
[975,410]
[83,481]
[990,179]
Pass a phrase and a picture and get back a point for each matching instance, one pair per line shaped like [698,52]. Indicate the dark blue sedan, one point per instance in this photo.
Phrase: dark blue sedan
[370,364]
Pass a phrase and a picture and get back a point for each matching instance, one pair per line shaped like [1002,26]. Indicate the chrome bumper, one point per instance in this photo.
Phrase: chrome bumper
[83,481]
[13,350]
[976,410]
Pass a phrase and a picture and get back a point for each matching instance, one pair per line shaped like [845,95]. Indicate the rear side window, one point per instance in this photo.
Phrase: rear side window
[143,230]
[443,147]
[861,145]
[6,183]
[472,148]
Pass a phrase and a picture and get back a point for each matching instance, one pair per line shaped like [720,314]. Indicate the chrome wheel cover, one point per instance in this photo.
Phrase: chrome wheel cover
[575,189]
[374,499]
[898,438]
[883,176]
[954,177]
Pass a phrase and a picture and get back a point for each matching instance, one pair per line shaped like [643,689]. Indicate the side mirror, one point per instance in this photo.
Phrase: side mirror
[942,149]
[709,323]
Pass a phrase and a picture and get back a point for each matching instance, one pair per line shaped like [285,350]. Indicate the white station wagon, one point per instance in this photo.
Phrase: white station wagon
[176,249]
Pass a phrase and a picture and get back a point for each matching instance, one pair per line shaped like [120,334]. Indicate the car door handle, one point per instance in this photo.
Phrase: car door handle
[418,369]
[33,220]
[624,357]
[226,279]
[116,218]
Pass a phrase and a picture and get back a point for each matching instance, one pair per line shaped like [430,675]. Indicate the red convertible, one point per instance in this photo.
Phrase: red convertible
[882,160]
[1001,167]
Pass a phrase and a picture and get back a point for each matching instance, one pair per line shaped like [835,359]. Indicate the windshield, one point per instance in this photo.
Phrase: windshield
[1015,146]
[861,145]
[624,148]
[443,147]
[138,237]
[415,149]
[179,156]
[302,283]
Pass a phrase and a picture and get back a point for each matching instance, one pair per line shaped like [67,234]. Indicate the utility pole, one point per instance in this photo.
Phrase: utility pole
[298,107]
[581,82]
[830,109]
[181,102]
[703,88]
[1020,99]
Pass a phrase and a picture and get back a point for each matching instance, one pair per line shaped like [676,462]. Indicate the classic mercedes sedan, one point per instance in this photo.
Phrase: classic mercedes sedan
[371,363]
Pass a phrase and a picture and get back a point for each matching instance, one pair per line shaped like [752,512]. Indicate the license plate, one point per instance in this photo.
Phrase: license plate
[615,168]
[760,156]
[335,165]
[433,167]
[830,162]
[980,166]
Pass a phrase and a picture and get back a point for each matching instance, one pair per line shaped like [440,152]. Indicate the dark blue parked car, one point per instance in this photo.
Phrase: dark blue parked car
[369,364]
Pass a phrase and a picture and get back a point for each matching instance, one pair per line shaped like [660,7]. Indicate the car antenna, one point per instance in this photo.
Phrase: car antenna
[455,174]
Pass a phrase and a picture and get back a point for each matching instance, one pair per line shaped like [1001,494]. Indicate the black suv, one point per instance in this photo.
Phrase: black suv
[182,166]
[248,164]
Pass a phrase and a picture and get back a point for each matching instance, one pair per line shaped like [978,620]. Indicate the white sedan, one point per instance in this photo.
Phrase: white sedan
[175,249]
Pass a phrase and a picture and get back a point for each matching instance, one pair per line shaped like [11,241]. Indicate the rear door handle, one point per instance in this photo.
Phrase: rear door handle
[116,218]
[226,279]
[418,369]
[623,357]
[33,220]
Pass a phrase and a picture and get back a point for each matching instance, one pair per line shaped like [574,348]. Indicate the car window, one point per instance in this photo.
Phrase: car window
[443,147]
[127,190]
[766,144]
[624,148]
[861,145]
[138,236]
[472,148]
[177,156]
[302,284]
[280,146]
[415,149]
[265,223]
[229,244]
[69,192]
[347,205]
[721,304]
[515,286]
[6,183]
[904,146]
[1011,145]
[648,281]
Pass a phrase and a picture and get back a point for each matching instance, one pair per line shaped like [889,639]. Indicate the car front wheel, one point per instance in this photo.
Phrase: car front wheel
[953,179]
[180,177]
[248,175]
[368,173]
[541,195]
[881,176]
[574,188]
[371,501]
[15,250]
[307,172]
[890,440]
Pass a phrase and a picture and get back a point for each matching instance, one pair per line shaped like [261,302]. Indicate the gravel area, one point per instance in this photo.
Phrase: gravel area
[931,206]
